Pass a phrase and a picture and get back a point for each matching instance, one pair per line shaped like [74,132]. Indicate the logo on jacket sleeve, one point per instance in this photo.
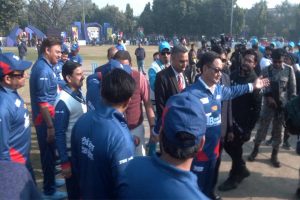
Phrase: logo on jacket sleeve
[87,147]
[18,103]
[26,120]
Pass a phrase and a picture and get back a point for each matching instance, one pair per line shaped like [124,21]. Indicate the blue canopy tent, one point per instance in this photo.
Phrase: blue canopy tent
[11,39]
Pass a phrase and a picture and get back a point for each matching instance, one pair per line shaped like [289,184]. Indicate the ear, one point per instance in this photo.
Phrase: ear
[47,50]
[7,79]
[202,142]
[126,103]
[68,77]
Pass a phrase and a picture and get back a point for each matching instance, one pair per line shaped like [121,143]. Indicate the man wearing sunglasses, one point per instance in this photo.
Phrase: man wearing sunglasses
[282,89]
[211,94]
[15,129]
[158,65]
[15,132]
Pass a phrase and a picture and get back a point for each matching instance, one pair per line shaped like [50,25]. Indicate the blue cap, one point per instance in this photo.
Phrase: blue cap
[184,113]
[10,62]
[292,44]
[164,45]
[254,41]
[114,64]
[274,44]
[74,47]
[298,44]
[64,49]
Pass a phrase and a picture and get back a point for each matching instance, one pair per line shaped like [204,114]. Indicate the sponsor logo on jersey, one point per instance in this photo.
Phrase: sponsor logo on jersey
[214,121]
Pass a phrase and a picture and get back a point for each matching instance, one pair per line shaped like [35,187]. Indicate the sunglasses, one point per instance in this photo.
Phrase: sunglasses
[165,53]
[17,75]
[215,69]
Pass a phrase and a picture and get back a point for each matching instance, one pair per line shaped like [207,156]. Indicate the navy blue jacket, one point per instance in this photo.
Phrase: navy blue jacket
[153,178]
[93,94]
[101,147]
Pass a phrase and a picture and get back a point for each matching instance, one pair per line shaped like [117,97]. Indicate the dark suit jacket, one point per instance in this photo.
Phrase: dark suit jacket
[226,111]
[165,86]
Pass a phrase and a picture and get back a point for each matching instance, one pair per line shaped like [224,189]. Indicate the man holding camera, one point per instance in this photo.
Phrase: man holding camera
[282,88]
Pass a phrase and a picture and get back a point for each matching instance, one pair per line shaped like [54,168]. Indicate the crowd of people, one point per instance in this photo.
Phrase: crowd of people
[196,104]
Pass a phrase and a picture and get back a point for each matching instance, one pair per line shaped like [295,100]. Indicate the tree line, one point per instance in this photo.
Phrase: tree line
[191,18]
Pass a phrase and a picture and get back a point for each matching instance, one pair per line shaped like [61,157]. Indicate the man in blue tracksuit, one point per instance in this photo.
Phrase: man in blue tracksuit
[69,106]
[15,132]
[211,93]
[160,176]
[101,144]
[43,92]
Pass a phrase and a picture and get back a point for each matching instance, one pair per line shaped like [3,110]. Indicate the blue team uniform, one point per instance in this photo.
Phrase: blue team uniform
[142,174]
[43,91]
[58,72]
[77,58]
[204,164]
[101,147]
[69,106]
[93,90]
[15,132]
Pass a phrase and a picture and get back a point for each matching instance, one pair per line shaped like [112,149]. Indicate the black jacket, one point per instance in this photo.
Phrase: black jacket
[246,108]
[226,110]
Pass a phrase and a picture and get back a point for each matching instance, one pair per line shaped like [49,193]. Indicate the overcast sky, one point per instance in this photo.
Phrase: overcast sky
[139,5]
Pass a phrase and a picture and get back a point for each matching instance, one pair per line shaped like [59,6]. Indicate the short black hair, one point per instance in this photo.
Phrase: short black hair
[250,52]
[277,54]
[68,69]
[208,58]
[218,49]
[49,42]
[181,153]
[122,55]
[117,86]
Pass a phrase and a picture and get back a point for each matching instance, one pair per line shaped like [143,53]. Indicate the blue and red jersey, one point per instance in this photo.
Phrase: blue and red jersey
[43,89]
[212,106]
[15,132]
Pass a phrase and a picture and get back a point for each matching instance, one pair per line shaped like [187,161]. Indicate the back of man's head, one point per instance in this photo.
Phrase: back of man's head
[117,87]
[183,126]
[111,52]
[122,55]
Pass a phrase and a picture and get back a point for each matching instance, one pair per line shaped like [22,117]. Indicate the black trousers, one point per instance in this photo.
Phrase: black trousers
[235,150]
